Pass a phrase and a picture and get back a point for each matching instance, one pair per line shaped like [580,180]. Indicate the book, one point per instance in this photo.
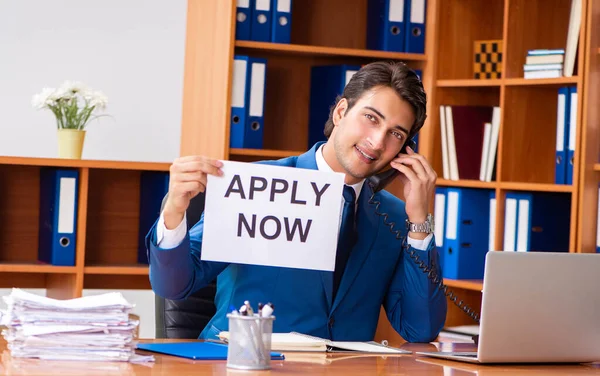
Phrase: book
[463,332]
[294,341]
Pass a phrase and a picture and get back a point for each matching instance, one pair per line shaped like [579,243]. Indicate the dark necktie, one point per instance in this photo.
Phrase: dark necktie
[347,237]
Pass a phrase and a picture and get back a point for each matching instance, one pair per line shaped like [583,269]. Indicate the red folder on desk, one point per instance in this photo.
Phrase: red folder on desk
[194,350]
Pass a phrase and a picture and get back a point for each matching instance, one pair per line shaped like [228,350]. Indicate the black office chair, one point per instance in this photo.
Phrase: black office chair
[186,318]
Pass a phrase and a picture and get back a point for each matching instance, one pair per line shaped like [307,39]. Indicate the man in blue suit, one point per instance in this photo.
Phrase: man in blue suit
[382,107]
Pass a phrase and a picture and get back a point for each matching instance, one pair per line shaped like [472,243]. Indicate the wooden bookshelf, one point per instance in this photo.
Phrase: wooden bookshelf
[83,163]
[108,222]
[560,81]
[515,186]
[589,134]
[263,153]
[117,270]
[294,49]
[465,284]
[536,187]
[466,183]
[469,83]
[527,139]
[36,268]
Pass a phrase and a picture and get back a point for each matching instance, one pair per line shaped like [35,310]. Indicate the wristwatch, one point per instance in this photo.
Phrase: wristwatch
[427,227]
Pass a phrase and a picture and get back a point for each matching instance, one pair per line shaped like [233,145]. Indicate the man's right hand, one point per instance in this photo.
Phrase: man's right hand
[187,179]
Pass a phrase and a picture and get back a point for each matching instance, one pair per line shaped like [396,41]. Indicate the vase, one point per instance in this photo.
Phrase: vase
[70,143]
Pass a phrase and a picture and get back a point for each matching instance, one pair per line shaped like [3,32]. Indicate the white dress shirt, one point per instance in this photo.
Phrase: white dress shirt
[167,239]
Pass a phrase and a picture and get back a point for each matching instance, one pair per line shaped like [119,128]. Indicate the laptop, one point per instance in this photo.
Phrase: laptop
[537,307]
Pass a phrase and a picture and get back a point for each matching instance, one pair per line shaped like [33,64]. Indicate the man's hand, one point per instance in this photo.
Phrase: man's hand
[418,179]
[188,177]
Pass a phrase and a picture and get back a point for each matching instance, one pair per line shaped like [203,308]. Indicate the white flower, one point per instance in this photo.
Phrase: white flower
[73,103]
[46,98]
[98,99]
[73,87]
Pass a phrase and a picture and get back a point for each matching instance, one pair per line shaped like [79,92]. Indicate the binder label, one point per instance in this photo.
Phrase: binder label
[510,224]
[523,226]
[257,89]
[66,206]
[452,216]
[349,74]
[440,209]
[238,90]
[573,122]
[263,5]
[560,131]
[396,11]
[284,6]
[598,223]
[417,11]
[492,237]
[243,3]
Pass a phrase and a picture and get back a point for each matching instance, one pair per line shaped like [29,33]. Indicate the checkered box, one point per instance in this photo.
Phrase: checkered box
[487,62]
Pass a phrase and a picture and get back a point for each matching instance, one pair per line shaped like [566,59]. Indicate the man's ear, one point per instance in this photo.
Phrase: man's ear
[339,111]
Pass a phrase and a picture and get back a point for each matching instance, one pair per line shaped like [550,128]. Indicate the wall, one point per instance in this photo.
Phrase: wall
[132,50]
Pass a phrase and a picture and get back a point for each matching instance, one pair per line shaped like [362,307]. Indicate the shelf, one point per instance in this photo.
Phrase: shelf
[508,82]
[298,49]
[466,284]
[117,270]
[467,183]
[536,187]
[57,162]
[36,268]
[469,83]
[597,167]
[541,81]
[264,152]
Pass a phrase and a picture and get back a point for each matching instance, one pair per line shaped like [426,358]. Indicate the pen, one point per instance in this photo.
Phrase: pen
[267,310]
[248,308]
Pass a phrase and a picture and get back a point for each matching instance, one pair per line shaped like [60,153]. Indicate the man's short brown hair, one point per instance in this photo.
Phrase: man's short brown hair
[395,75]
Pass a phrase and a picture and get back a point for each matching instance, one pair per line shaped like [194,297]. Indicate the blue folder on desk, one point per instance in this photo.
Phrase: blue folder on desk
[195,350]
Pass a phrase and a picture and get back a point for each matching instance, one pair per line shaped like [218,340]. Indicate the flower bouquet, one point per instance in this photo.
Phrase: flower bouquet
[74,105]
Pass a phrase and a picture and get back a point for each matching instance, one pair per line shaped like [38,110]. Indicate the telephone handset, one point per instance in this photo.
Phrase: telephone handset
[377,183]
[385,177]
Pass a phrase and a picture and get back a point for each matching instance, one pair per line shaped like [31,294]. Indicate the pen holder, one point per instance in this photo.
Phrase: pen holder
[249,342]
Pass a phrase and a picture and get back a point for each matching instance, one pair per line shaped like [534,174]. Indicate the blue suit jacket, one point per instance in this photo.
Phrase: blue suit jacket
[378,272]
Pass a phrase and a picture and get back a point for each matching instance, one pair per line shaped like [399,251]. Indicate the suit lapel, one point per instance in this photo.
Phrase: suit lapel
[308,161]
[367,228]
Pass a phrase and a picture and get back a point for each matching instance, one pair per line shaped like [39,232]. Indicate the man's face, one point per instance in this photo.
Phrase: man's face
[369,135]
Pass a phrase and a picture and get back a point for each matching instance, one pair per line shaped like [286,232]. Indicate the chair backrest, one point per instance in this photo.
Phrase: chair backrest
[186,318]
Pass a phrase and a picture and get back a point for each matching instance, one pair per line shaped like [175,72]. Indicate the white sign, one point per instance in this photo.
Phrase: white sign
[272,215]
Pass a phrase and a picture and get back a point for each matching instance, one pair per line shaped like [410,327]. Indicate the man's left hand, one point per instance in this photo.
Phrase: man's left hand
[418,178]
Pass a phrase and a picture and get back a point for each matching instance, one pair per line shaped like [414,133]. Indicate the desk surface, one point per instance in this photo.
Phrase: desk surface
[297,364]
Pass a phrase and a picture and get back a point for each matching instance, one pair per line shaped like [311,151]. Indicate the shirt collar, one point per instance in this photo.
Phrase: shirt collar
[323,166]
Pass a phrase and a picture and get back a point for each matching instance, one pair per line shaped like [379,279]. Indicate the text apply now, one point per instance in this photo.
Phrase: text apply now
[271,215]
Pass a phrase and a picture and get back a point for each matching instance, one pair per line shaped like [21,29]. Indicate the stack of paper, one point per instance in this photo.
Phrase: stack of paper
[92,328]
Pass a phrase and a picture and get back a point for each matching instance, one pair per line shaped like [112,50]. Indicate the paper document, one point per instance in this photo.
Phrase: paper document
[272,215]
[301,342]
[92,328]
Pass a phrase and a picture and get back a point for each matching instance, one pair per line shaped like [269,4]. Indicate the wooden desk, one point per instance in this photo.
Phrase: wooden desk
[297,364]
